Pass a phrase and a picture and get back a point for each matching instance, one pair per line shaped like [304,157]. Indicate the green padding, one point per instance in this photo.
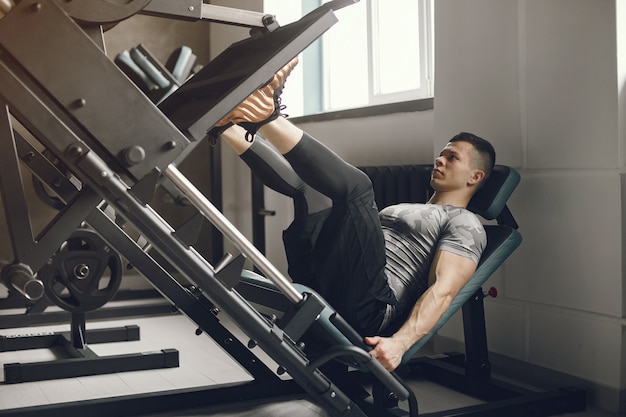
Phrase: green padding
[250,277]
[490,200]
[324,316]
[254,278]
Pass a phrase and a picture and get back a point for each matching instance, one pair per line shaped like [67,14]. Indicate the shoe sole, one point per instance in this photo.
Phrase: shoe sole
[260,104]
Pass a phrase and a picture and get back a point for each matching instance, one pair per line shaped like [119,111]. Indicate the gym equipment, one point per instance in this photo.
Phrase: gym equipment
[84,274]
[26,291]
[20,278]
[121,156]
[156,80]
[121,153]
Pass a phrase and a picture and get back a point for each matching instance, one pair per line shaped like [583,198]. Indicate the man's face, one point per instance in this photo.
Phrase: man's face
[453,168]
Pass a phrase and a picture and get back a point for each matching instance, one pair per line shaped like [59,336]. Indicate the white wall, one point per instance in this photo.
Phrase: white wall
[541,80]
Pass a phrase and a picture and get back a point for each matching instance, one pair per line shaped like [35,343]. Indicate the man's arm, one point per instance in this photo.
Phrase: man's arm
[449,273]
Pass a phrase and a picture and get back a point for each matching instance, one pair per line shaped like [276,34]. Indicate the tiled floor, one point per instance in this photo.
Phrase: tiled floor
[202,363]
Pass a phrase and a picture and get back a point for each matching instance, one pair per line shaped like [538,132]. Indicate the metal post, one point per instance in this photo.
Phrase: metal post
[78,338]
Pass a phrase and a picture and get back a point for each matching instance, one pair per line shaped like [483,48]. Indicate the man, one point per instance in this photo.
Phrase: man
[392,274]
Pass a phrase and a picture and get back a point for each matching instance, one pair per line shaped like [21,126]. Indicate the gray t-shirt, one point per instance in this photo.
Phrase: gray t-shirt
[413,234]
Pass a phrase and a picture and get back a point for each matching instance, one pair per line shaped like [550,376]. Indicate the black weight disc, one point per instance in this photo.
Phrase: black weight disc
[102,12]
[84,274]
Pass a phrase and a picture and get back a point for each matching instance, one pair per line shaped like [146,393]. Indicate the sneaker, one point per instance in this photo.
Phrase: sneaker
[261,107]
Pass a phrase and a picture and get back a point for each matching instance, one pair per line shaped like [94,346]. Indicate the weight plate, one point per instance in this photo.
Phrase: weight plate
[102,11]
[84,274]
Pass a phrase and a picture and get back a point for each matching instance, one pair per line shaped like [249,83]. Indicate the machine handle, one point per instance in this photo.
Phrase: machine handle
[385,377]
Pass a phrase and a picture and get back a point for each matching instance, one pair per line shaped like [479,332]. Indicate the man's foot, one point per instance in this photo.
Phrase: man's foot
[261,107]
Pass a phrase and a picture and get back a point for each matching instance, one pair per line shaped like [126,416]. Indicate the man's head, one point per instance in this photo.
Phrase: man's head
[465,162]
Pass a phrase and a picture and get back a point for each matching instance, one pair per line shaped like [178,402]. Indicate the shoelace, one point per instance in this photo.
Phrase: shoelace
[252,128]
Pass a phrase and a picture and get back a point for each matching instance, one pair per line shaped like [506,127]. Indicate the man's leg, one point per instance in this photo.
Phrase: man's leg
[317,165]
[348,257]
[310,206]
[275,172]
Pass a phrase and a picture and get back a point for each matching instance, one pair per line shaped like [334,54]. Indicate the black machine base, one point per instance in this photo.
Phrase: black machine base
[81,361]
[499,398]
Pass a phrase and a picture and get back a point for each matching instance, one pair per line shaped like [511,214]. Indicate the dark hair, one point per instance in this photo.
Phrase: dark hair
[486,153]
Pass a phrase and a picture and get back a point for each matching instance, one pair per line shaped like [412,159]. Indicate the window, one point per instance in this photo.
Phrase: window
[379,52]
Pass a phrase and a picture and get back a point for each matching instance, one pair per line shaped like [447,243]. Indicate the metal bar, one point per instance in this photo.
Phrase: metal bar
[40,340]
[69,368]
[197,10]
[180,9]
[13,321]
[179,296]
[116,334]
[475,332]
[215,159]
[235,16]
[258,216]
[235,236]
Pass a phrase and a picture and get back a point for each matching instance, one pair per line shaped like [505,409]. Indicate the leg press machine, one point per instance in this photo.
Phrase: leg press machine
[65,101]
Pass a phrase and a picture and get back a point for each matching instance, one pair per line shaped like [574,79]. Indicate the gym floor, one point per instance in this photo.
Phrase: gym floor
[202,363]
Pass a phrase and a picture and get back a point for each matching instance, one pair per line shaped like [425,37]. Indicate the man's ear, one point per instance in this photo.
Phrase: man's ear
[477,176]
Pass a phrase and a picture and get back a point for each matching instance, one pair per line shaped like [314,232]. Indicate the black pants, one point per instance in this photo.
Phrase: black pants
[335,244]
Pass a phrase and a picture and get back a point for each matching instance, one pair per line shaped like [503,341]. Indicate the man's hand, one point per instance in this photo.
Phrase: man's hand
[387,350]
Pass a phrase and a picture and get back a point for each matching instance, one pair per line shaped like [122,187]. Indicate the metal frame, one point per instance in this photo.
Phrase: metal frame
[44,172]
[81,360]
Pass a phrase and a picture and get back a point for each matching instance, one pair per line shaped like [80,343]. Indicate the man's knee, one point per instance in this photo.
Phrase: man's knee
[357,185]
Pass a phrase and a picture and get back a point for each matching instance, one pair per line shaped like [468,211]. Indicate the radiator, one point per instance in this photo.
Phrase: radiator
[395,184]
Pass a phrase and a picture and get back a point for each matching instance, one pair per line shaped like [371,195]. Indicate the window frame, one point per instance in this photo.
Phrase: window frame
[426,47]
[315,71]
